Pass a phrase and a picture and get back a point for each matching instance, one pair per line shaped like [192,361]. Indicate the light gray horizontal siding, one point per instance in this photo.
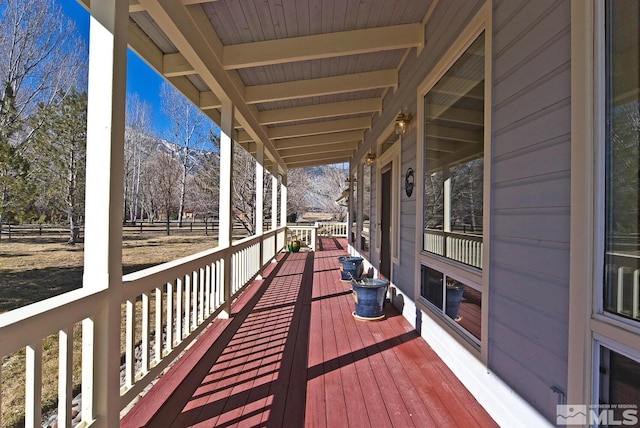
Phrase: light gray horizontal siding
[529,270]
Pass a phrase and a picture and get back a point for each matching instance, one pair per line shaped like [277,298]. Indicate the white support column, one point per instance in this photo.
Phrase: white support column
[274,200]
[283,201]
[260,200]
[226,199]
[103,212]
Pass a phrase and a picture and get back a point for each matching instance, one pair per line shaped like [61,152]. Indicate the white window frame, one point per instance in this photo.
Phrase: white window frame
[468,275]
[589,326]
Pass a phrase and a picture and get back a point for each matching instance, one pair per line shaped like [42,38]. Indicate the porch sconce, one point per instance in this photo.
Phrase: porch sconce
[402,121]
[370,158]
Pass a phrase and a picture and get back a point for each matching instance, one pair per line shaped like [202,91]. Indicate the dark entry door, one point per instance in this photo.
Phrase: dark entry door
[385,222]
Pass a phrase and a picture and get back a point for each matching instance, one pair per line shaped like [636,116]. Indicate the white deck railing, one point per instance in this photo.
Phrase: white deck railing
[337,229]
[178,298]
[460,247]
[307,234]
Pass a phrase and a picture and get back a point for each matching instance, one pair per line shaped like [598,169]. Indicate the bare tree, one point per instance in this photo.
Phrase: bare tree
[297,190]
[327,186]
[244,189]
[188,128]
[137,148]
[41,56]
[162,175]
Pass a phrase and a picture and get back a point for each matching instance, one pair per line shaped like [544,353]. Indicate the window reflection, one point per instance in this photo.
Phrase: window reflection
[621,293]
[453,159]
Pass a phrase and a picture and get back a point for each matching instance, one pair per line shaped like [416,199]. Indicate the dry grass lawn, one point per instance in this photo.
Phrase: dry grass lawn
[35,268]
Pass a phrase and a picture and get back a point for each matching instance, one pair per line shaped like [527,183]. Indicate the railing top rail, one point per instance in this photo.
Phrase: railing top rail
[23,326]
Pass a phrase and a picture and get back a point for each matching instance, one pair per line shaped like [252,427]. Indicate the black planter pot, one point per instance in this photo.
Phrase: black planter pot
[369,295]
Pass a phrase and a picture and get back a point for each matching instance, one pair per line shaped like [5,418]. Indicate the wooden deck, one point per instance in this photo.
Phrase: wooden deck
[292,355]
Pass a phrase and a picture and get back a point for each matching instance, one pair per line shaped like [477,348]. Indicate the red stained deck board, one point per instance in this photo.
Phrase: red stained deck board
[299,358]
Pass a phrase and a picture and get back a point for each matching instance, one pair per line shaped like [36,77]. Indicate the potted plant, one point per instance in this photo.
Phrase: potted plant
[294,246]
[369,295]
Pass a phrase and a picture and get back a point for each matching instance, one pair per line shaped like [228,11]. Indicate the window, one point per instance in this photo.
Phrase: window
[460,303]
[618,386]
[453,159]
[621,294]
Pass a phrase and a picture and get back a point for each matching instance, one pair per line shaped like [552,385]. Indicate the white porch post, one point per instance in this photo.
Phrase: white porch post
[103,212]
[260,201]
[283,201]
[226,199]
[274,200]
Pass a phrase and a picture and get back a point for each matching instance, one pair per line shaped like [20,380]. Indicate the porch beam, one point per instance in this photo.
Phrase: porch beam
[343,148]
[326,127]
[319,46]
[317,140]
[319,159]
[321,86]
[135,6]
[307,162]
[321,111]
[175,64]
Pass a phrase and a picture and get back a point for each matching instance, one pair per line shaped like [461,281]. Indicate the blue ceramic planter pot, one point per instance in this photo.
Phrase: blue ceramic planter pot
[369,295]
[350,268]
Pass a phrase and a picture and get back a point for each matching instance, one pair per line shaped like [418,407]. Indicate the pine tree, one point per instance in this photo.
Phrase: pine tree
[15,190]
[60,144]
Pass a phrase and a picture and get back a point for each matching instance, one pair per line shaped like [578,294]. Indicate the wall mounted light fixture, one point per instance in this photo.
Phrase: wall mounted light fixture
[370,158]
[402,121]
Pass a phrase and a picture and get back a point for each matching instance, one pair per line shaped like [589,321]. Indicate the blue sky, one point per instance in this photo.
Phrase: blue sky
[141,79]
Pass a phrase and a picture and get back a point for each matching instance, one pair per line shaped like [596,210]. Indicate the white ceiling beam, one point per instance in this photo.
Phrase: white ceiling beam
[208,100]
[318,140]
[306,162]
[320,111]
[323,46]
[330,149]
[175,64]
[320,128]
[135,6]
[322,86]
[190,31]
